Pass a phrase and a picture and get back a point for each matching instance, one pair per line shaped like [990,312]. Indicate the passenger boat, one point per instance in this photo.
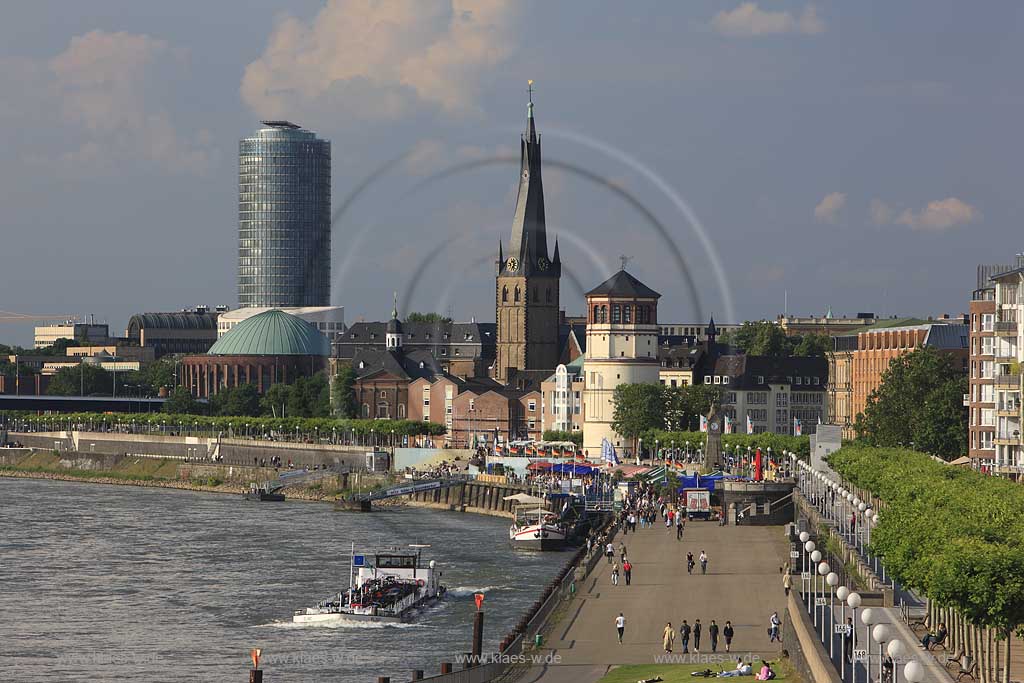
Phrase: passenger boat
[537,529]
[388,587]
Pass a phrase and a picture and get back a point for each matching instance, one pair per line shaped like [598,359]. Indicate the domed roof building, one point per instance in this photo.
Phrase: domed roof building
[273,347]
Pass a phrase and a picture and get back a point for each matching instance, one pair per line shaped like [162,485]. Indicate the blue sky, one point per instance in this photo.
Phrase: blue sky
[863,156]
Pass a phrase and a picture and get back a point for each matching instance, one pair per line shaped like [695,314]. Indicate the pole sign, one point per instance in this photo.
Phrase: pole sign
[806,576]
[820,602]
[840,629]
[795,554]
[860,655]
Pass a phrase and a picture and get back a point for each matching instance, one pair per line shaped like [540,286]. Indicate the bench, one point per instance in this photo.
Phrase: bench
[966,666]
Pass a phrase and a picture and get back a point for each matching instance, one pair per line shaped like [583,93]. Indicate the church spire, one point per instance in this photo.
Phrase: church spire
[528,250]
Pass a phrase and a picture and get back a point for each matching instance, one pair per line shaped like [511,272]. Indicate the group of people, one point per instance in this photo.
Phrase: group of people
[686,632]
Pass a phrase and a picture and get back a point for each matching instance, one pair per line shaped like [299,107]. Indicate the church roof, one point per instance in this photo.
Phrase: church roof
[624,284]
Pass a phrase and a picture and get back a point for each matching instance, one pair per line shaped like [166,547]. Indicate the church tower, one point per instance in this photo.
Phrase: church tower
[526,292]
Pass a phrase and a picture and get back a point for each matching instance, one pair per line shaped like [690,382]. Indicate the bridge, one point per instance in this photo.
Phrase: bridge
[407,489]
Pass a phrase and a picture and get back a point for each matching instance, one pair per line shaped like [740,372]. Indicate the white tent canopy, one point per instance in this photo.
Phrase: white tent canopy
[525,499]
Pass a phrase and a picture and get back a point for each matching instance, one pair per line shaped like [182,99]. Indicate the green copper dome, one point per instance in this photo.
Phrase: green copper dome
[272,333]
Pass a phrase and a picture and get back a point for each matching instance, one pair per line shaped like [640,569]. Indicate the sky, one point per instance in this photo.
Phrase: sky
[854,156]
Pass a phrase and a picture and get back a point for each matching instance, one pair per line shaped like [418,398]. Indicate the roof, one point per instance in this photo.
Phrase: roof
[184,320]
[945,336]
[273,333]
[624,284]
[244,313]
[410,366]
[744,371]
[419,335]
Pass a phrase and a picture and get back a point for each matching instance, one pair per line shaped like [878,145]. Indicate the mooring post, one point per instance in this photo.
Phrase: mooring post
[478,636]
[417,675]
[446,667]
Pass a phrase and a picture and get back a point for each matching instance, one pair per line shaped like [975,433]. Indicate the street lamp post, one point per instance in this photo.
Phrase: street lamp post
[805,573]
[869,619]
[853,600]
[842,594]
[815,559]
[880,634]
[832,579]
[823,571]
[913,672]
[896,648]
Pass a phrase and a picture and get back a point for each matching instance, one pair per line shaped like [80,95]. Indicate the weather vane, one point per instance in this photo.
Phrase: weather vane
[625,259]
[530,88]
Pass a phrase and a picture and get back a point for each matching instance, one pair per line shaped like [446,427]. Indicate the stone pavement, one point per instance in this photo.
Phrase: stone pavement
[743,584]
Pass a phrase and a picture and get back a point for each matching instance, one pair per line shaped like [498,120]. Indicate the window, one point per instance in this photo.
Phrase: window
[531,424]
[401,411]
[988,322]
[472,404]
[597,314]
[760,379]
[616,314]
[627,314]
[383,394]
[798,380]
[718,379]
[366,410]
[531,405]
[504,294]
[781,399]
[815,381]
[517,294]
[707,379]
[535,297]
[725,379]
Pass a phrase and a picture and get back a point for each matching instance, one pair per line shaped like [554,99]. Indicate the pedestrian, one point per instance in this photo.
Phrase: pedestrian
[668,637]
[713,635]
[728,632]
[627,570]
[684,636]
[848,635]
[696,635]
[668,519]
[773,628]
[703,562]
[787,582]
[622,552]
[679,528]
[620,626]
[615,574]
[689,563]
[609,551]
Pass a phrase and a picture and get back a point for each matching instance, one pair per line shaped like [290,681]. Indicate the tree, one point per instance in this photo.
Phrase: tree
[919,402]
[343,393]
[638,408]
[813,345]
[416,317]
[684,405]
[560,435]
[242,400]
[306,397]
[275,401]
[83,379]
[180,402]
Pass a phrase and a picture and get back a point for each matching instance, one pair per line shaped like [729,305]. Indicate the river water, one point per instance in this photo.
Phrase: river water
[114,583]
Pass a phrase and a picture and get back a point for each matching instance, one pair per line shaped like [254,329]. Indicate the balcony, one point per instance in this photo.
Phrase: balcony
[1008,410]
[1006,328]
[1007,381]
[1007,439]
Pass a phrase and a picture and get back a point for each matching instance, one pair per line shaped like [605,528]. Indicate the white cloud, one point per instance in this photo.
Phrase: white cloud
[378,59]
[880,212]
[940,215]
[102,92]
[827,210]
[750,20]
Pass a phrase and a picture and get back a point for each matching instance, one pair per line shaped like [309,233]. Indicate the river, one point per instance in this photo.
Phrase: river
[115,583]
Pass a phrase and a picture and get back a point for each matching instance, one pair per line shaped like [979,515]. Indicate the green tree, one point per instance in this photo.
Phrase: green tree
[180,402]
[242,400]
[813,345]
[343,393]
[275,401]
[83,379]
[638,408]
[760,338]
[685,404]
[561,435]
[919,402]
[417,317]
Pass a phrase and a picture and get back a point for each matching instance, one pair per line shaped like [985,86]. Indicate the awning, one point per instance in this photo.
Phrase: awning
[962,460]
[539,465]
[525,499]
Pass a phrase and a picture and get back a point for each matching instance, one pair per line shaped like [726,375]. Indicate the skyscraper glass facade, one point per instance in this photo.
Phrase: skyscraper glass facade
[284,217]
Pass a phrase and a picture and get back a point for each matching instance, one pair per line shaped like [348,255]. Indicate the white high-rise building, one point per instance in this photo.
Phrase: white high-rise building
[622,348]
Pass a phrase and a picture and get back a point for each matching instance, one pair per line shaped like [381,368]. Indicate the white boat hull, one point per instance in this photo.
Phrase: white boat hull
[537,537]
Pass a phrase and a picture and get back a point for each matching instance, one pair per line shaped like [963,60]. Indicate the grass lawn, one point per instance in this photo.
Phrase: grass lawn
[677,673]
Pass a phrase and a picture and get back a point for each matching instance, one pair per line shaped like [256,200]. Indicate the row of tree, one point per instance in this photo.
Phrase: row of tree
[764,338]
[779,443]
[305,425]
[641,408]
[952,533]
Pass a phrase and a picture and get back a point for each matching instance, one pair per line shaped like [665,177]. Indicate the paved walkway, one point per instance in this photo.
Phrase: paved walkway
[743,584]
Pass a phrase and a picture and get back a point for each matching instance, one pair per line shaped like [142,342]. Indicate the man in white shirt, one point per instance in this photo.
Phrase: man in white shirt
[620,626]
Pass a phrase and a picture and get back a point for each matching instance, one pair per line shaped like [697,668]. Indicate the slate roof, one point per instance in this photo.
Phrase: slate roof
[743,371]
[624,284]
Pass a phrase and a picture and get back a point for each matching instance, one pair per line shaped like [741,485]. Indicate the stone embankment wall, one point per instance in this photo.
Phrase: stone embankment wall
[479,497]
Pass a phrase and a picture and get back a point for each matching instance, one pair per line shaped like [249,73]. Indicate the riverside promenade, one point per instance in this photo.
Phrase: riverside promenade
[743,584]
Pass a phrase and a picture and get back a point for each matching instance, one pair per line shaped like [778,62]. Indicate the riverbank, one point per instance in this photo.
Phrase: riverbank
[163,473]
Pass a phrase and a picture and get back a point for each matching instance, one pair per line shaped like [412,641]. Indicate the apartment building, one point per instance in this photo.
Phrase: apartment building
[1004,370]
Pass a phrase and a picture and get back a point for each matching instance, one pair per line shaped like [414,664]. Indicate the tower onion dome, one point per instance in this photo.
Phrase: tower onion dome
[272,333]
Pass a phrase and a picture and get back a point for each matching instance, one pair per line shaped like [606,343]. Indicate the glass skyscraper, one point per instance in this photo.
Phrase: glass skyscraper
[284,217]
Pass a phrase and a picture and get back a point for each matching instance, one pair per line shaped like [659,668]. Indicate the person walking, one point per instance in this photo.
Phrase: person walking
[703,562]
[787,582]
[668,637]
[773,628]
[696,635]
[622,552]
[609,551]
[620,626]
[728,632]
[689,563]
[679,528]
[615,574]
[627,571]
[713,635]
[848,635]
[684,636]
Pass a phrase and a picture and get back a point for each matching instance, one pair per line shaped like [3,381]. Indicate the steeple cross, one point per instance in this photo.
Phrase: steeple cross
[530,89]
[625,259]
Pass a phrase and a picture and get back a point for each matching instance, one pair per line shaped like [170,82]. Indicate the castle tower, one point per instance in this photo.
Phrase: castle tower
[622,348]
[526,291]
